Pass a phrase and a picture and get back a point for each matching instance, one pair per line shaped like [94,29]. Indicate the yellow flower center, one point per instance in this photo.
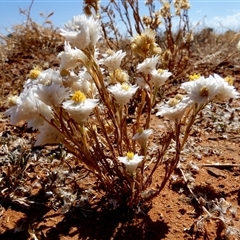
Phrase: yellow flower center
[173,102]
[125,86]
[64,73]
[194,76]
[179,97]
[110,52]
[79,97]
[203,92]
[121,76]
[140,130]
[12,99]
[130,155]
[160,71]
[34,73]
[229,80]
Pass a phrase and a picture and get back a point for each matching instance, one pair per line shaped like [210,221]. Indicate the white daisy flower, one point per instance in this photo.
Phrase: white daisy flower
[174,109]
[225,91]
[45,77]
[142,83]
[70,57]
[148,65]
[48,135]
[52,95]
[82,85]
[131,161]
[82,31]
[201,90]
[113,61]
[123,92]
[36,119]
[28,106]
[142,136]
[159,77]
[80,107]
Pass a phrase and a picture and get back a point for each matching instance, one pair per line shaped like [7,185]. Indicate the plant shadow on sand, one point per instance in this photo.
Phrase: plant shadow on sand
[83,224]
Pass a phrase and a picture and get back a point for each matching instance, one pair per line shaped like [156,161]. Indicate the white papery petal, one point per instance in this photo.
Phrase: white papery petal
[28,106]
[82,31]
[113,61]
[193,89]
[48,135]
[160,77]
[174,112]
[142,137]
[121,95]
[71,57]
[80,111]
[52,95]
[131,165]
[225,91]
[148,65]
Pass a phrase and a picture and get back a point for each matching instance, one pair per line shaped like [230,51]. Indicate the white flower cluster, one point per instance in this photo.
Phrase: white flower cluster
[53,99]
[200,91]
[47,93]
[43,97]
[214,87]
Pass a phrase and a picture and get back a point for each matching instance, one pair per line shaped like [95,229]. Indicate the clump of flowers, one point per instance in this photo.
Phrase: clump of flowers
[183,110]
[85,106]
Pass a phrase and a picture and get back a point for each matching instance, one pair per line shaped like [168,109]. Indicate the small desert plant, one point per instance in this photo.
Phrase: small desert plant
[86,106]
[222,213]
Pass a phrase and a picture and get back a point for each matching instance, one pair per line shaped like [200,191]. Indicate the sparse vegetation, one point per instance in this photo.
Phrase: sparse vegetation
[109,123]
